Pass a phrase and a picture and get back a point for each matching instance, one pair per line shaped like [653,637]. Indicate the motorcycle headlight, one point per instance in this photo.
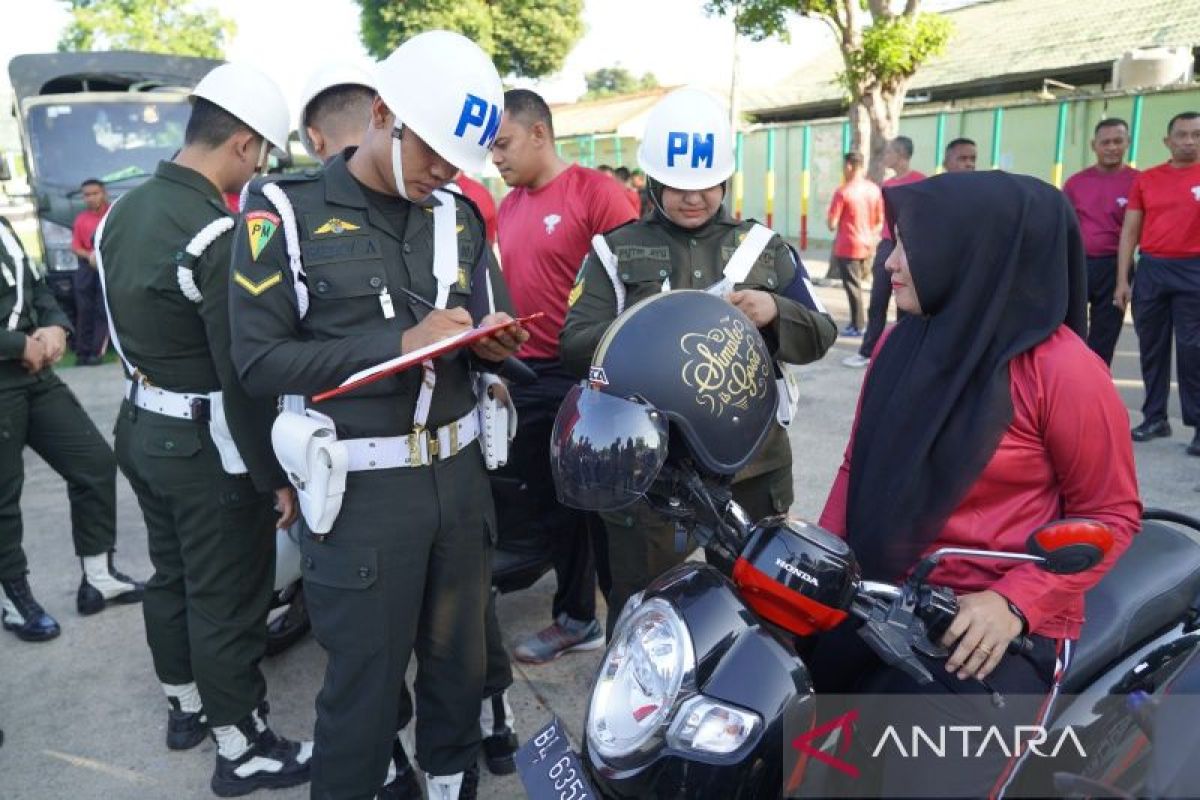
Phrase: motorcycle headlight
[639,679]
[705,725]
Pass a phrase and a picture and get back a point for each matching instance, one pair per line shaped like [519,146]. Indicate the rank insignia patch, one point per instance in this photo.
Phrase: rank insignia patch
[335,226]
[261,286]
[260,227]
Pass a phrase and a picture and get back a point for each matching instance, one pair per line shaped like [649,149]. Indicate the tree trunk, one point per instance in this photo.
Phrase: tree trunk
[882,107]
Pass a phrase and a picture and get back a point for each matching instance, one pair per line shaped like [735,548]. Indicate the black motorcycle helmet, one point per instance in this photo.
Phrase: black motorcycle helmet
[681,368]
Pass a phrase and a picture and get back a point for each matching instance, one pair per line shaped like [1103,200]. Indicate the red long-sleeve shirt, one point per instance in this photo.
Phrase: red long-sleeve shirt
[1067,453]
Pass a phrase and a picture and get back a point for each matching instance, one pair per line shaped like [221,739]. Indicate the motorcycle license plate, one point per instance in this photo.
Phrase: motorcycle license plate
[550,769]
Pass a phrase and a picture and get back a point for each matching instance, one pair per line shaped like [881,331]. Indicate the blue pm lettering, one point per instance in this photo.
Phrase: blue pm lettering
[475,113]
[702,147]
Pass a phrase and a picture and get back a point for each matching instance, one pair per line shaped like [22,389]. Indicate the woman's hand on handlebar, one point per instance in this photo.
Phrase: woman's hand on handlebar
[980,634]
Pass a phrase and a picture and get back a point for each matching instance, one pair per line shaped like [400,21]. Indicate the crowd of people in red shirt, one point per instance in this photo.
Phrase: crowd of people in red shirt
[1121,210]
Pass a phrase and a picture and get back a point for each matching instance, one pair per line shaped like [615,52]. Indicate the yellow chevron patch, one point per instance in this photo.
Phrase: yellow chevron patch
[257,288]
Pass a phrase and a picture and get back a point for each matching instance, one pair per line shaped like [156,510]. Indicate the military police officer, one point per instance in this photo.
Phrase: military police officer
[399,505]
[37,409]
[194,446]
[690,242]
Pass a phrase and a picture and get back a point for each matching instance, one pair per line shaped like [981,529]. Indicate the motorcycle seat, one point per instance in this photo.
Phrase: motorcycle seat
[1149,588]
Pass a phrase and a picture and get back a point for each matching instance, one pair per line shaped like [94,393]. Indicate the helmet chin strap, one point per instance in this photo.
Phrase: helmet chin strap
[397,162]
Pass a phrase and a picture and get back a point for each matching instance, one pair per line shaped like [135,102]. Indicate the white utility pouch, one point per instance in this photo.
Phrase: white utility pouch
[789,394]
[316,463]
[218,429]
[497,421]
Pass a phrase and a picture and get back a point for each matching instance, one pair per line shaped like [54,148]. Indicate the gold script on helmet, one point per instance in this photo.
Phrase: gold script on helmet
[724,367]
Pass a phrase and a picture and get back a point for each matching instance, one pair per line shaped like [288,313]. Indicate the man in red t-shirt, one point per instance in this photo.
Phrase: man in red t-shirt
[1163,221]
[897,157]
[546,224]
[856,213]
[91,322]
[624,176]
[478,194]
[1099,195]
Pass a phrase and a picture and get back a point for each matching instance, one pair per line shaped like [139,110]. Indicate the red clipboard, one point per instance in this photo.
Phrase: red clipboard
[419,356]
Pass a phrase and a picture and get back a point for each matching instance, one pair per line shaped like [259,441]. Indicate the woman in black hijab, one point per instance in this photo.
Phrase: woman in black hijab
[983,416]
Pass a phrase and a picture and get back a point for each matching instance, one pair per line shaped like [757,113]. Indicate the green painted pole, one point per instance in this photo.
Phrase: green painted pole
[738,178]
[617,146]
[846,138]
[939,145]
[1060,145]
[1135,131]
[805,184]
[770,177]
[997,128]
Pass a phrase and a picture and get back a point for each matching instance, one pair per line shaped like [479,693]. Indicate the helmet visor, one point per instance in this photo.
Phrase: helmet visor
[605,451]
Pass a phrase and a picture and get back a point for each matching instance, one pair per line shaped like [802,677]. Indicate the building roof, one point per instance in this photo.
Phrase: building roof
[1001,43]
[622,115]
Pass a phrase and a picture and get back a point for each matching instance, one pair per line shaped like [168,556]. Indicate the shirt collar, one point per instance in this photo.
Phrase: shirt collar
[186,176]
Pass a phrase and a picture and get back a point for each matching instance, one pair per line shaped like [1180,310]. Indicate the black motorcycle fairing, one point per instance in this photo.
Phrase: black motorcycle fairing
[707,602]
[1105,718]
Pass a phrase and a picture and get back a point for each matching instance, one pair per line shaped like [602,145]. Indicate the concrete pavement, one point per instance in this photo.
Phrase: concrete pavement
[84,716]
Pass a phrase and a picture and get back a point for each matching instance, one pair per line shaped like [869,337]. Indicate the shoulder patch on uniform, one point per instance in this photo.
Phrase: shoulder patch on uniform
[576,293]
[257,288]
[333,226]
[260,227]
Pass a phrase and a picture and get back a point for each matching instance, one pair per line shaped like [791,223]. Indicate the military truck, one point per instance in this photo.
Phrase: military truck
[111,116]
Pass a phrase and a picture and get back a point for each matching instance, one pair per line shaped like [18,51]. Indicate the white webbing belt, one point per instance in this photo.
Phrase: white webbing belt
[161,401]
[417,449]
[19,258]
[742,260]
[736,269]
[291,239]
[609,260]
[445,272]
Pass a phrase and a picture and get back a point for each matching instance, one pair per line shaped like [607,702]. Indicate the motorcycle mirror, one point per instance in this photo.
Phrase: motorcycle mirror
[1070,546]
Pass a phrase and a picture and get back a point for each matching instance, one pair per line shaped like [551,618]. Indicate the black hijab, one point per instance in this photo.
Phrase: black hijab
[998,264]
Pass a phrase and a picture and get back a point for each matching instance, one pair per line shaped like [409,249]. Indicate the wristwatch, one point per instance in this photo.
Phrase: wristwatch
[1017,613]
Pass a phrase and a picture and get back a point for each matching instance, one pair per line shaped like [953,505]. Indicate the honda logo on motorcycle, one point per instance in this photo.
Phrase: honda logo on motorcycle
[795,571]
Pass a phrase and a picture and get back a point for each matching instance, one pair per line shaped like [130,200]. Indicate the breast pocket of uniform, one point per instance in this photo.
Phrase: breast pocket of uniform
[346,296]
[643,273]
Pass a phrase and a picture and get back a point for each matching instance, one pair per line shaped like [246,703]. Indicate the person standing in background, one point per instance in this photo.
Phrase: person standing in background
[960,156]
[1100,194]
[91,324]
[1162,221]
[546,224]
[856,214]
[897,157]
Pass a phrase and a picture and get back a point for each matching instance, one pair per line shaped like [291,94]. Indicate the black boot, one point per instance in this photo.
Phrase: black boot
[500,745]
[102,584]
[23,615]
[185,729]
[250,756]
[404,784]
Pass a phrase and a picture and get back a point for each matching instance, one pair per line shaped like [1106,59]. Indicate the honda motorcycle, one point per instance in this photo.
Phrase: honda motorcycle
[703,673]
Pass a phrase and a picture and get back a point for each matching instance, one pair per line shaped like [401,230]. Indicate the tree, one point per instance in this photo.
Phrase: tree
[525,38]
[881,50]
[153,26]
[616,80]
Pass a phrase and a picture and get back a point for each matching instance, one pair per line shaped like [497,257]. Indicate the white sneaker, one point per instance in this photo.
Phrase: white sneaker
[856,360]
